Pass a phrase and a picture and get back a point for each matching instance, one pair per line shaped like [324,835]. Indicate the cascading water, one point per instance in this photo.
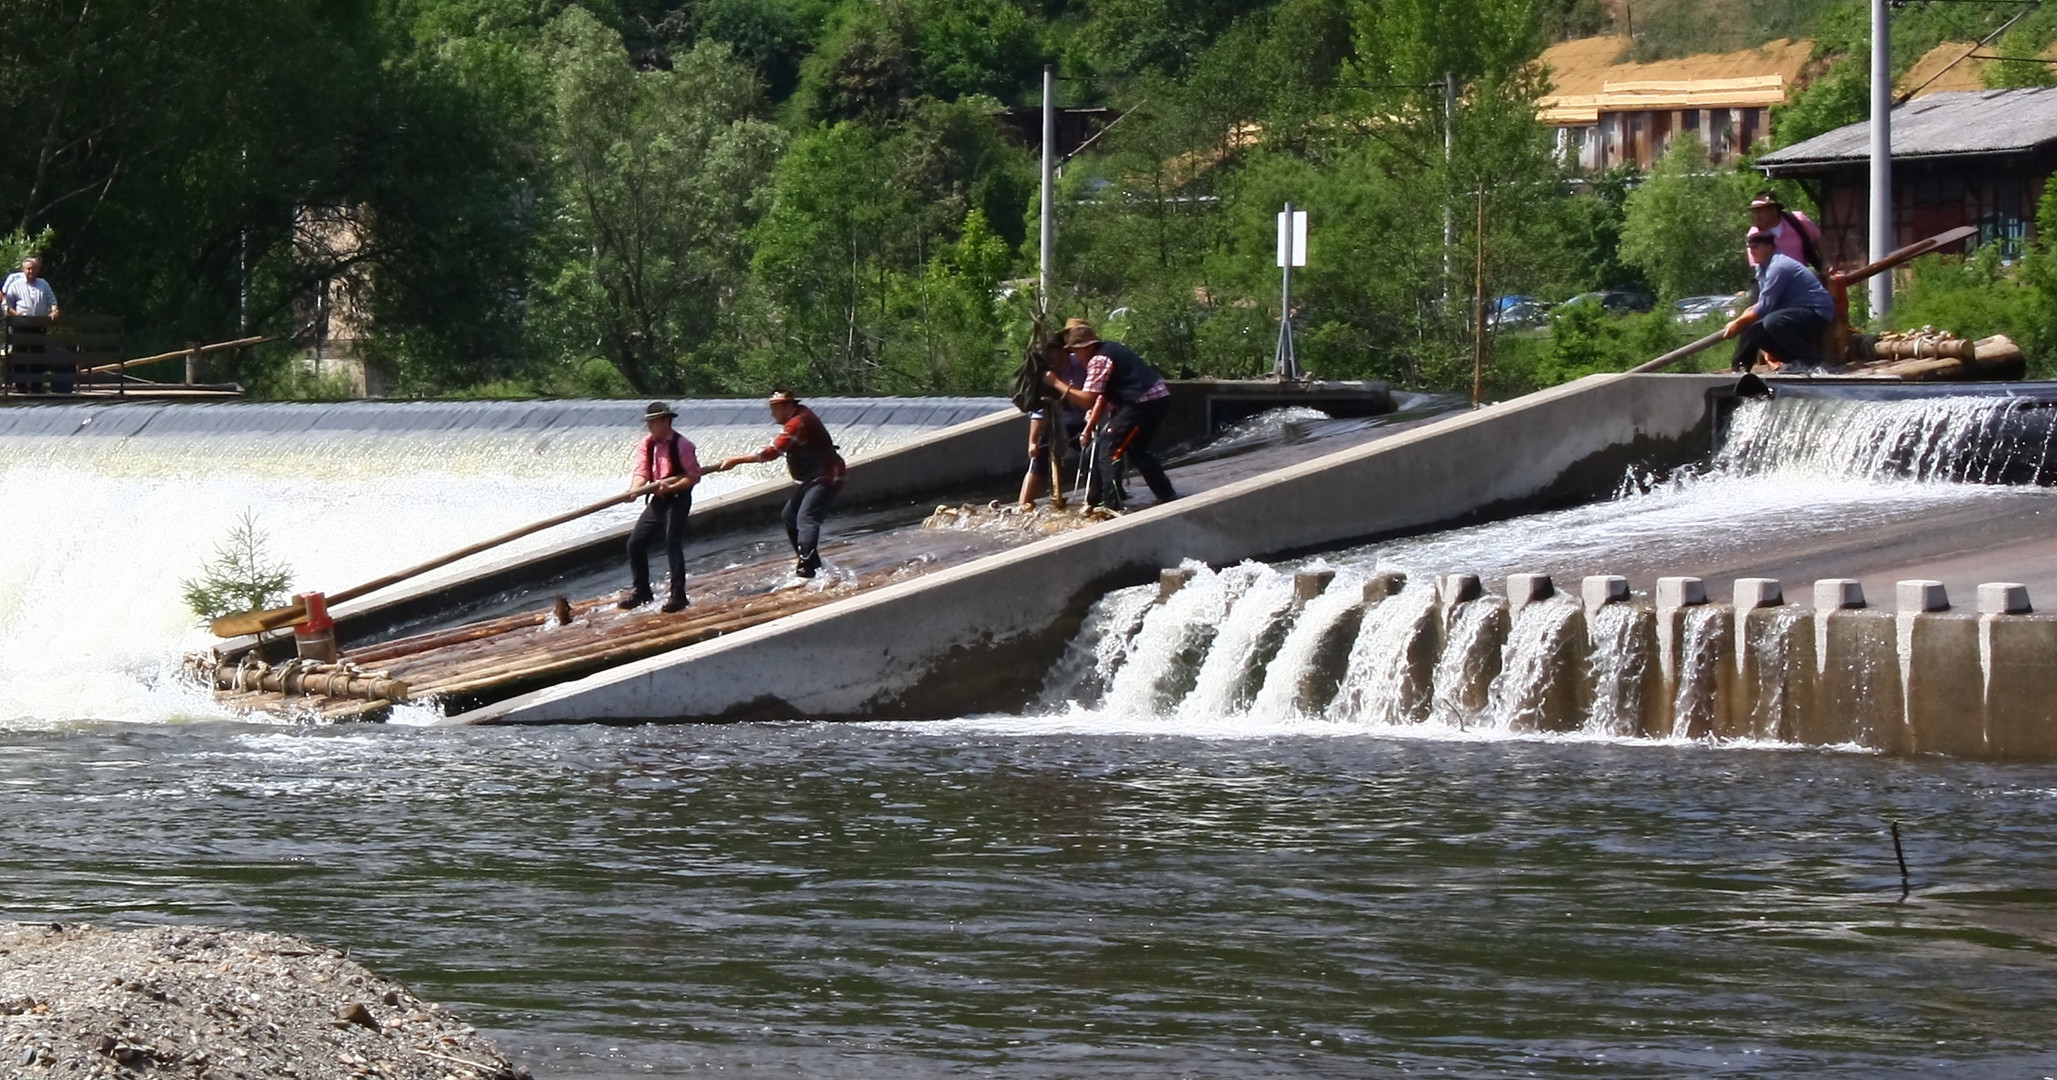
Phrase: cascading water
[1387,683]
[1256,618]
[1618,662]
[1704,635]
[1469,663]
[1808,472]
[1530,694]
[1974,439]
[108,507]
[1287,679]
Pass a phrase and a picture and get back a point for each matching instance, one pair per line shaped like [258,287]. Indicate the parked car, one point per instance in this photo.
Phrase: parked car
[1614,301]
[1515,311]
[1694,308]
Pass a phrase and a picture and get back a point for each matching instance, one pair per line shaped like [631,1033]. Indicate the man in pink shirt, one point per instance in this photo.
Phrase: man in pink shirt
[667,460]
[1794,234]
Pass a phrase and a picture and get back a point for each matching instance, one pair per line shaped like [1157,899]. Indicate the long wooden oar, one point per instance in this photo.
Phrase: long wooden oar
[257,622]
[1893,259]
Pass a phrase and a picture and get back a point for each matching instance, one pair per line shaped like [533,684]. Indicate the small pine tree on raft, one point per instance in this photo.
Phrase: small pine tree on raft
[242,577]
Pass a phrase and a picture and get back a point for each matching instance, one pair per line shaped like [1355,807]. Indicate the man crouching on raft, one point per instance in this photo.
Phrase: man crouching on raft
[815,465]
[667,459]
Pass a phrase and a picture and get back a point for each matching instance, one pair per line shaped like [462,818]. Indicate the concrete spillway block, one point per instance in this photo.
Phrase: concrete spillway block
[1171,581]
[1599,590]
[1697,670]
[2003,598]
[1526,589]
[1756,592]
[1942,678]
[2020,686]
[1857,689]
[1308,584]
[1454,589]
[1835,594]
[1382,585]
[1922,596]
[1677,592]
[1775,672]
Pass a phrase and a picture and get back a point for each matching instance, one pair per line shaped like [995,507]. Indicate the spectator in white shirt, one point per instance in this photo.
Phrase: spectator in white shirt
[27,293]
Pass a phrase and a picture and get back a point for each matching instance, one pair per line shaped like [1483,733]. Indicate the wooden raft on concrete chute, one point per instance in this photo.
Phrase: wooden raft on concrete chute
[498,658]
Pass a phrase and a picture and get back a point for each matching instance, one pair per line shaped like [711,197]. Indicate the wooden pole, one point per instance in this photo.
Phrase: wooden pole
[194,351]
[257,622]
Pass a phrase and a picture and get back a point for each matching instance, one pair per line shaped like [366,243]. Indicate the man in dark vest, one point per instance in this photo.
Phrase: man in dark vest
[668,460]
[814,464]
[1129,396]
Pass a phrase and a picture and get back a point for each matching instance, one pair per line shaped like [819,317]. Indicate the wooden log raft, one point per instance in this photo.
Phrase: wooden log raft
[310,678]
[1928,354]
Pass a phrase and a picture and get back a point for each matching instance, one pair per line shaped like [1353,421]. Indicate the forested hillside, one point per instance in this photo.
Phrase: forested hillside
[710,196]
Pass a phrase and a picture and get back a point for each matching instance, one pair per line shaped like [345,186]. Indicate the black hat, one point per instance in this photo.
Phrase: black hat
[656,409]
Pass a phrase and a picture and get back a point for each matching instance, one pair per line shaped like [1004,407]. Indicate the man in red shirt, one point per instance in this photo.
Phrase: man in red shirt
[814,464]
[668,460]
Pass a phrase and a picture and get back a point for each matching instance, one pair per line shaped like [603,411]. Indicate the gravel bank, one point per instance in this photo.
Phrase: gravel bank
[197,1004]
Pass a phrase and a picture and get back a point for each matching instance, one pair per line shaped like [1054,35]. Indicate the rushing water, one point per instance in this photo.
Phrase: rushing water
[1236,839]
[106,509]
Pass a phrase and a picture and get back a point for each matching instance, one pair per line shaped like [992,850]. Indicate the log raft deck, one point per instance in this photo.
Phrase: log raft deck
[454,668]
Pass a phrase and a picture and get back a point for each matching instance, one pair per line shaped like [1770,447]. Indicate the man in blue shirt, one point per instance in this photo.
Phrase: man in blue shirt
[1791,313]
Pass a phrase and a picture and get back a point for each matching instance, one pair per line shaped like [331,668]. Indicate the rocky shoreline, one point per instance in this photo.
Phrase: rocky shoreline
[79,1002]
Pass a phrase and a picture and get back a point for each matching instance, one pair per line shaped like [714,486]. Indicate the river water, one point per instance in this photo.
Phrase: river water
[980,899]
[1083,890]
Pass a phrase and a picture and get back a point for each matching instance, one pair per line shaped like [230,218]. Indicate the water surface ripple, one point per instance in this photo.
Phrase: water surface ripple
[819,900]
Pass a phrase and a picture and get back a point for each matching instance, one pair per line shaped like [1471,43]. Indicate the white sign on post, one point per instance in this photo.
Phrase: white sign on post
[1292,239]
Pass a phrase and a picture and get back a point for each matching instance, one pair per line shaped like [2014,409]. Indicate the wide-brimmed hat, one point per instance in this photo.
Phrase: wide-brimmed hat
[1079,332]
[1766,198]
[782,396]
[656,409]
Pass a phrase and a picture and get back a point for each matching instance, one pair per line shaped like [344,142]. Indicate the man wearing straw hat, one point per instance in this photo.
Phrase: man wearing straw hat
[668,460]
[1129,396]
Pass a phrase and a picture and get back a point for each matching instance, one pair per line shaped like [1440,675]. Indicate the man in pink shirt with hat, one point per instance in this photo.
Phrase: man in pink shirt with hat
[668,460]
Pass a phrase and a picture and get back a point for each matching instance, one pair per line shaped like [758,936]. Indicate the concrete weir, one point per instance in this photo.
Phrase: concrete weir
[1917,677]
[980,637]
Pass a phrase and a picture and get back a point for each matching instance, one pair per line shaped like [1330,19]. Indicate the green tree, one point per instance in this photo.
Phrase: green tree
[1684,227]
[860,214]
[659,177]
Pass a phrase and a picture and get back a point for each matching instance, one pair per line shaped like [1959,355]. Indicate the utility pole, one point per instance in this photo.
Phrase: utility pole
[1046,281]
[1449,154]
[1478,330]
[1292,251]
[1880,288]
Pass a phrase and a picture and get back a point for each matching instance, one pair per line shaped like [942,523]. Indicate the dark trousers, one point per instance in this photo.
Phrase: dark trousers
[806,509]
[1793,335]
[1127,438]
[664,516]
